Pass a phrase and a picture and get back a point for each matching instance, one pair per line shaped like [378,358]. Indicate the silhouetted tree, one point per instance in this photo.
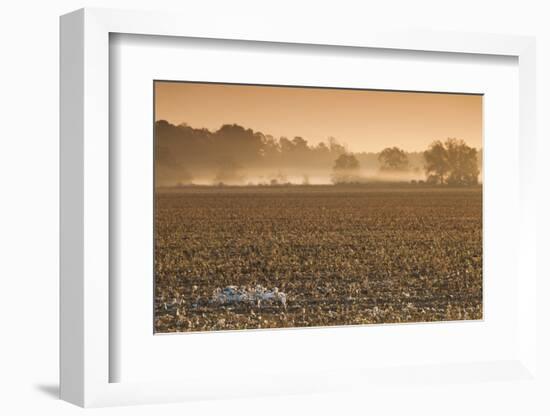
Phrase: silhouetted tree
[346,169]
[393,159]
[452,163]
[437,165]
[462,161]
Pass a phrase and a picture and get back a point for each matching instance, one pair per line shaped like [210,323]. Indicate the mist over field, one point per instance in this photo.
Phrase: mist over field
[235,155]
[267,177]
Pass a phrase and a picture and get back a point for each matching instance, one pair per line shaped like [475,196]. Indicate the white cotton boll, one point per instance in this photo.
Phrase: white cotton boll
[234,295]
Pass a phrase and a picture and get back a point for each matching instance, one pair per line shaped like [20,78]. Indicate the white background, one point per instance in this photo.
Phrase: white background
[29,209]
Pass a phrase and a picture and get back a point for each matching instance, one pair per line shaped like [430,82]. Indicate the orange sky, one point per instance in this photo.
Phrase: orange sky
[364,120]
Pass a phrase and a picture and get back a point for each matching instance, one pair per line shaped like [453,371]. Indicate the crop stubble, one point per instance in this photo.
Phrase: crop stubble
[343,255]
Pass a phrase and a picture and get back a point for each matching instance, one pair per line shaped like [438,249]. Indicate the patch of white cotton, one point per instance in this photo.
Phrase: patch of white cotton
[258,295]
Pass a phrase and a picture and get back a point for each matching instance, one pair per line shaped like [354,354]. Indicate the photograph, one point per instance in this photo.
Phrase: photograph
[283,206]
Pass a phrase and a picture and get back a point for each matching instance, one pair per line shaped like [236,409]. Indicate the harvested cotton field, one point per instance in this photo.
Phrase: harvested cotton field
[251,257]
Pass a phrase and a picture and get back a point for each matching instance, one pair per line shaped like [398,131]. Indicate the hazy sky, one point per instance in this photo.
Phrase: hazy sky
[363,120]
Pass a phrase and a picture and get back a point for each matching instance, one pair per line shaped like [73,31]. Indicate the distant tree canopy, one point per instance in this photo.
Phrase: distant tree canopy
[451,162]
[346,169]
[393,159]
[234,154]
[225,155]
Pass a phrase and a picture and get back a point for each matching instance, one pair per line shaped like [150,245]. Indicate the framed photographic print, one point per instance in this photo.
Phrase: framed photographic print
[277,213]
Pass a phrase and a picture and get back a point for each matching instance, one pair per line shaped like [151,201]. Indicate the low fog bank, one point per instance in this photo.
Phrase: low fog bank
[242,177]
[236,156]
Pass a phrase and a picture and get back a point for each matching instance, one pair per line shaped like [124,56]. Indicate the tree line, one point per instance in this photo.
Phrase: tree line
[451,162]
[184,153]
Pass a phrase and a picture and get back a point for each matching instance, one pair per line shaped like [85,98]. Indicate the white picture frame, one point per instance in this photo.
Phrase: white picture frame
[86,356]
